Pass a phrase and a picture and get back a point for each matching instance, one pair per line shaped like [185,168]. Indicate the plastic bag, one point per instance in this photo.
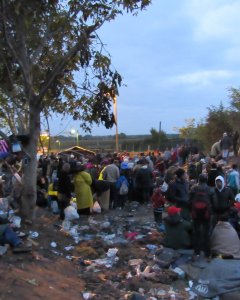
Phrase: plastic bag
[54,207]
[16,221]
[123,188]
[71,213]
[96,208]
[66,225]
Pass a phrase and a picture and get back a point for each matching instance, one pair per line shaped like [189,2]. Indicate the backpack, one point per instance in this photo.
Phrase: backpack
[123,188]
[201,204]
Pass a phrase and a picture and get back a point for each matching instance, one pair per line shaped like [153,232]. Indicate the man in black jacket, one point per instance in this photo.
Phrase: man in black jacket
[200,200]
[144,182]
[178,193]
[223,199]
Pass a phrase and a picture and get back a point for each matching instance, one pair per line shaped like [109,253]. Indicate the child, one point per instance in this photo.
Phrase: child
[158,201]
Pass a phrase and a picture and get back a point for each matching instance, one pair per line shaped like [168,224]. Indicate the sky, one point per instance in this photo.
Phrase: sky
[177,58]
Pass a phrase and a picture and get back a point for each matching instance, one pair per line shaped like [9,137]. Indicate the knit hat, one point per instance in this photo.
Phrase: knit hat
[173,210]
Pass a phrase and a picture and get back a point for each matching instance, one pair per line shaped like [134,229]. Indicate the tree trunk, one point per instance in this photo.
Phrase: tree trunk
[28,202]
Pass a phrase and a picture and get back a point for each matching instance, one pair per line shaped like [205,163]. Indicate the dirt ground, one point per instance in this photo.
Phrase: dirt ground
[57,273]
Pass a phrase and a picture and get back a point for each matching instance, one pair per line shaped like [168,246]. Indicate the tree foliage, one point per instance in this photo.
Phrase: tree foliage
[53,58]
[189,130]
[157,140]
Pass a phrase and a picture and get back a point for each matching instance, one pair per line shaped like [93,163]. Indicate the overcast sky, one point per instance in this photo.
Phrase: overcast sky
[177,58]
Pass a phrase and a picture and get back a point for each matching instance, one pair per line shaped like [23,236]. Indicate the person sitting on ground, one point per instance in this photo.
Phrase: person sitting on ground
[224,240]
[8,236]
[178,230]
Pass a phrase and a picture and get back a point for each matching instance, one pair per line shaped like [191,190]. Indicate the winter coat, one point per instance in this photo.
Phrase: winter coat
[178,233]
[144,178]
[100,186]
[222,199]
[233,179]
[82,186]
[178,192]
[201,193]
[225,240]
[64,184]
[111,173]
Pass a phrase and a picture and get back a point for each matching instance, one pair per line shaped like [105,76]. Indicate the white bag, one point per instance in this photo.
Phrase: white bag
[237,197]
[96,208]
[54,207]
[164,187]
[71,213]
[123,188]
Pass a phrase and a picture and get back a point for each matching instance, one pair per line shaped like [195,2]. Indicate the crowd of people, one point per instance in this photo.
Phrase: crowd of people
[194,196]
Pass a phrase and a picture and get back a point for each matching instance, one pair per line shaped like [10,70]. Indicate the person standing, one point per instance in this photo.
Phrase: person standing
[225,145]
[178,193]
[222,200]
[213,173]
[111,173]
[82,186]
[233,179]
[200,202]
[144,182]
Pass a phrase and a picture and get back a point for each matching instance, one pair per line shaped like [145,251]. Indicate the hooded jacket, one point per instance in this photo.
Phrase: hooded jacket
[223,198]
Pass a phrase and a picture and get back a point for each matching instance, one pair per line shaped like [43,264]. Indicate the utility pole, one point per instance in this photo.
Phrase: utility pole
[160,127]
[116,122]
[159,134]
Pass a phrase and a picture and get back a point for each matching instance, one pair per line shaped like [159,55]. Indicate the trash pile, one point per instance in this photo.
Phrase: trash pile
[121,249]
[117,254]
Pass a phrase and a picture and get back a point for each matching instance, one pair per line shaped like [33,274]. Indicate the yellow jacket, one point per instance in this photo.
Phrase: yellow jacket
[82,186]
